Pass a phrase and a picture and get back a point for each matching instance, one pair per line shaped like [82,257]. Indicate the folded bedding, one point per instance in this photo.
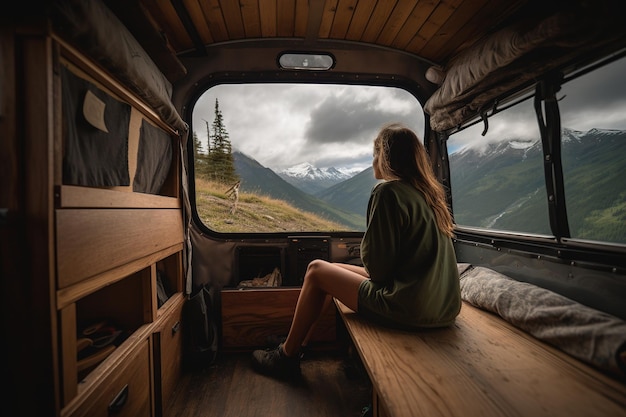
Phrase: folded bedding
[590,335]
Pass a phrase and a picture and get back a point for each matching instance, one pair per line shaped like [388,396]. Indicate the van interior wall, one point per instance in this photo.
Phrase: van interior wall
[212,260]
[602,290]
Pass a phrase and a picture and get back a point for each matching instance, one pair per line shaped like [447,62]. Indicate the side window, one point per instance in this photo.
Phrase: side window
[497,179]
[291,158]
[593,114]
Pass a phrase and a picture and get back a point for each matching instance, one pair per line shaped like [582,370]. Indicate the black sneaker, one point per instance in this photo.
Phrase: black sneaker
[274,340]
[274,362]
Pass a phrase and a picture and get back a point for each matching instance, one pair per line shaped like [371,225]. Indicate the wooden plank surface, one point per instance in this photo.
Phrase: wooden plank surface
[72,196]
[231,388]
[480,366]
[92,241]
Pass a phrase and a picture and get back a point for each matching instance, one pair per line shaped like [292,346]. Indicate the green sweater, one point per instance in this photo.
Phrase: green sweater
[414,280]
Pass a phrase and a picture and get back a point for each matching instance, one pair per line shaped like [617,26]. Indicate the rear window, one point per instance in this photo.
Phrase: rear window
[290,158]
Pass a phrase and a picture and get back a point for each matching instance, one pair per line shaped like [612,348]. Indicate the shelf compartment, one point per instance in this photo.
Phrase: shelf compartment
[127,305]
[169,272]
[75,292]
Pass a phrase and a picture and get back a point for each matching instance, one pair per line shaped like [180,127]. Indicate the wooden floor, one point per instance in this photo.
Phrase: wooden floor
[333,385]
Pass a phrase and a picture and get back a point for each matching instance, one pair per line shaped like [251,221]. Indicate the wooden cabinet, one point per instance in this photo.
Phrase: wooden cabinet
[121,389]
[113,245]
[251,316]
[86,257]
[168,349]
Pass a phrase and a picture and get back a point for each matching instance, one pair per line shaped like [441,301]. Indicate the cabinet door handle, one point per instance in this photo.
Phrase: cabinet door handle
[176,327]
[118,402]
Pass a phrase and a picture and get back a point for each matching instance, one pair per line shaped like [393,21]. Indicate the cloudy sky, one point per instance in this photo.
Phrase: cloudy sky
[596,100]
[282,125]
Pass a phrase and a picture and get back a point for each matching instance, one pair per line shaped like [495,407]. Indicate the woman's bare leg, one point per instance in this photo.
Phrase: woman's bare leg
[321,281]
[327,301]
[355,268]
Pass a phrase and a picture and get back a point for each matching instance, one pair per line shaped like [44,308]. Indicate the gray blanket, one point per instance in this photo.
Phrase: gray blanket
[91,26]
[592,336]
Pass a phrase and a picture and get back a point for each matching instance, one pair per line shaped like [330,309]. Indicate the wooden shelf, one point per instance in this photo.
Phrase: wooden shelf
[97,252]
[171,304]
[71,294]
[71,196]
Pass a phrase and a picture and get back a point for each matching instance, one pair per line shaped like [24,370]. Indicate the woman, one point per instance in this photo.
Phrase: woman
[409,278]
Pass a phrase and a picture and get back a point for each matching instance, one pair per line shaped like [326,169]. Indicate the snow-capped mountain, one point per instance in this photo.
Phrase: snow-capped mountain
[594,134]
[513,170]
[311,179]
[588,158]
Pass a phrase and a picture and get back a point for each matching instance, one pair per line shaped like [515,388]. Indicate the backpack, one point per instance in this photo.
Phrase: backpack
[201,336]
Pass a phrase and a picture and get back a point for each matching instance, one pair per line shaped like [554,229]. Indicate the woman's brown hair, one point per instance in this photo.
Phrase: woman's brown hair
[401,155]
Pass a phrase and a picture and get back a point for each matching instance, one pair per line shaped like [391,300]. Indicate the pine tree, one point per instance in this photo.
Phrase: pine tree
[200,158]
[221,164]
[197,145]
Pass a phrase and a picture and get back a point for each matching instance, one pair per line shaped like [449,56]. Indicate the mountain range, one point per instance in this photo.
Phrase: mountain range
[511,170]
[255,178]
[312,180]
[502,186]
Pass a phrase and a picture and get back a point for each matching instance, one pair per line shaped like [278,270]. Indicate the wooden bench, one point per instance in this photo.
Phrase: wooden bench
[480,366]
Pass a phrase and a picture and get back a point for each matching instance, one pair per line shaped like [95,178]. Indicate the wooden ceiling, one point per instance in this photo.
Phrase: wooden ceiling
[431,29]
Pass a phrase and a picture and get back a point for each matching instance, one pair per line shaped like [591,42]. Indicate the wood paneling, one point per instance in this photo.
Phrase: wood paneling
[69,196]
[301,18]
[426,28]
[285,21]
[165,16]
[267,12]
[251,18]
[397,19]
[92,241]
[250,316]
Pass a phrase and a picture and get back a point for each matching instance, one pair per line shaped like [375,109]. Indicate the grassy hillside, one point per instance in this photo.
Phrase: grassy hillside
[257,179]
[254,213]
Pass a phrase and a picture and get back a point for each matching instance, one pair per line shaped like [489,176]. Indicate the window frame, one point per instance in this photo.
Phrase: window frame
[560,246]
[285,77]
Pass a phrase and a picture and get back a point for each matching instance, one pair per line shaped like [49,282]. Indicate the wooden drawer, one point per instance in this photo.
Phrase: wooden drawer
[125,392]
[168,350]
[91,241]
